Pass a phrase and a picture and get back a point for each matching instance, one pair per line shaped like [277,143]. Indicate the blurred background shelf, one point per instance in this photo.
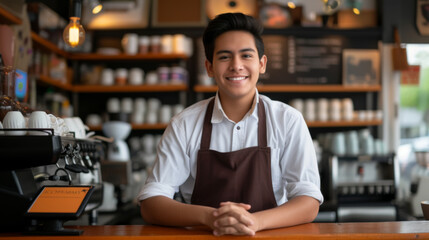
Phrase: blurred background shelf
[8,18]
[130,88]
[300,88]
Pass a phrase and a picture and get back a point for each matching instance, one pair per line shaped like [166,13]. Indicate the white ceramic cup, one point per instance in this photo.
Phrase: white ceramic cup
[165,114]
[144,42]
[335,109]
[298,104]
[121,76]
[167,44]
[180,43]
[113,105]
[352,143]
[137,117]
[153,104]
[338,146]
[127,105]
[136,76]
[347,109]
[94,120]
[152,78]
[148,143]
[130,43]
[107,77]
[152,117]
[310,109]
[38,119]
[140,105]
[14,120]
[322,109]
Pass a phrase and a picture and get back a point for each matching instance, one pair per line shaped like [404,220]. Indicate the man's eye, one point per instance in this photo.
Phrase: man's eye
[247,55]
[223,57]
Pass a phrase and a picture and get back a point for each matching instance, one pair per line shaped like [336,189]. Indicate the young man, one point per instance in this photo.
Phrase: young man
[242,161]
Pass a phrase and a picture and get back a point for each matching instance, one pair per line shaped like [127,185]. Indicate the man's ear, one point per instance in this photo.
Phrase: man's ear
[263,64]
[209,68]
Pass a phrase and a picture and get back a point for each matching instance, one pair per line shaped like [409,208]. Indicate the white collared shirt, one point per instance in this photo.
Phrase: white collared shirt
[294,170]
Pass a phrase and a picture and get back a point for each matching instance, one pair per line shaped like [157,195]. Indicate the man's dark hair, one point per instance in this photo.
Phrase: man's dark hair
[231,22]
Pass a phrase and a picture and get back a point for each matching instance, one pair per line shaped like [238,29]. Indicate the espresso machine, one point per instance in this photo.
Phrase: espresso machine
[362,187]
[32,162]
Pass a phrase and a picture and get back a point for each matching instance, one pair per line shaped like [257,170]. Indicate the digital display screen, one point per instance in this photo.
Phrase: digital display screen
[59,199]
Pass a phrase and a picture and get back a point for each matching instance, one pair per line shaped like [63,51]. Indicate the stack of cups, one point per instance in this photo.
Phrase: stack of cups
[165,113]
[153,106]
[322,109]
[167,44]
[144,42]
[136,76]
[347,109]
[335,109]
[130,43]
[121,76]
[139,111]
[310,109]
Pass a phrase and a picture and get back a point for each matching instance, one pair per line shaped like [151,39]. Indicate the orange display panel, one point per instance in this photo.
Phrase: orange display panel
[59,200]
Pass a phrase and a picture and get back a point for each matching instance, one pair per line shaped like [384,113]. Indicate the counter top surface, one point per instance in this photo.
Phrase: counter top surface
[364,230]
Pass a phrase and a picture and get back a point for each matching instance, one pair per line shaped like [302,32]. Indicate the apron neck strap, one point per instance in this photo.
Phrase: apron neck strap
[207,127]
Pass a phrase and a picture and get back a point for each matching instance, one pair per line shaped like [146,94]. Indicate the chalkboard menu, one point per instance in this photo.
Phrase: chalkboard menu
[298,60]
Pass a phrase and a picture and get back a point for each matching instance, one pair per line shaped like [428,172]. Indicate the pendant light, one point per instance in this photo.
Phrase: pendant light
[95,6]
[74,34]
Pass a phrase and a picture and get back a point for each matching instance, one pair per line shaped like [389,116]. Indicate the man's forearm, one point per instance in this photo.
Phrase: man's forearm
[299,210]
[161,210]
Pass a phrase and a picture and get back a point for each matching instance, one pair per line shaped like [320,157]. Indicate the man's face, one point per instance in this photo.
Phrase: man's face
[236,65]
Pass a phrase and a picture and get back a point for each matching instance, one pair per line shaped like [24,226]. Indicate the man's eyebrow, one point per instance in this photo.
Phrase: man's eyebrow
[241,50]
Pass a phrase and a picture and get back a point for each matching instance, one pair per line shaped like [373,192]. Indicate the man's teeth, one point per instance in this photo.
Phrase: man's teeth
[236,78]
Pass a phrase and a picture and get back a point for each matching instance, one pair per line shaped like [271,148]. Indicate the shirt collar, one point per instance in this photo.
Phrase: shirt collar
[219,114]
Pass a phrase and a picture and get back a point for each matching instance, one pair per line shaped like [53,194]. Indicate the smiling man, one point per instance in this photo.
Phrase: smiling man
[242,162]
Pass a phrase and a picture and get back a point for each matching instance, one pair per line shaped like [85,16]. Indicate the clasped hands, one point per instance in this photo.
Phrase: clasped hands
[234,219]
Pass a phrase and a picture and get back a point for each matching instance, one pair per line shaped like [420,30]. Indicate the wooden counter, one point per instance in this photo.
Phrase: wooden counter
[367,230]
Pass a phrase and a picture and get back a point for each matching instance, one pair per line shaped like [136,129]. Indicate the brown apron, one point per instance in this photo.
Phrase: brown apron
[242,176]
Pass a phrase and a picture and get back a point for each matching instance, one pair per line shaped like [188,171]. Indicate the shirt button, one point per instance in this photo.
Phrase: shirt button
[238,127]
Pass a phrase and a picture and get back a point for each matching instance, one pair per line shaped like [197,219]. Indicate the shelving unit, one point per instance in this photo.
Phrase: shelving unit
[54,82]
[129,88]
[8,18]
[300,88]
[156,126]
[104,57]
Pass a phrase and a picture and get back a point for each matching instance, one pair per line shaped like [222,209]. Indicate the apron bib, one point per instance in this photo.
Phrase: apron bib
[242,176]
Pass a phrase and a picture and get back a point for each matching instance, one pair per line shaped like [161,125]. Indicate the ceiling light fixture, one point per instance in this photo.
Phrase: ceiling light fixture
[74,34]
[95,6]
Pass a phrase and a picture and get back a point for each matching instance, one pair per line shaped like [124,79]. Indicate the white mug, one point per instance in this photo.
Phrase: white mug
[140,105]
[136,76]
[347,109]
[167,44]
[165,114]
[148,143]
[38,119]
[322,109]
[335,110]
[113,105]
[152,78]
[107,77]
[310,110]
[127,105]
[152,117]
[12,120]
[130,43]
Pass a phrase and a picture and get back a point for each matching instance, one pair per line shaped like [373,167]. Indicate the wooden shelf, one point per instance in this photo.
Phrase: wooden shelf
[54,82]
[145,126]
[129,88]
[300,88]
[104,57]
[47,45]
[354,123]
[8,18]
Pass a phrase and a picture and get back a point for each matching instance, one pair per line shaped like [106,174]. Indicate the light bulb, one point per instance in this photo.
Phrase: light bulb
[74,34]
[291,5]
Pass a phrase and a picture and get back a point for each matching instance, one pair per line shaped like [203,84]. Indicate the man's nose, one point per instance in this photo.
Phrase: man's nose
[236,64]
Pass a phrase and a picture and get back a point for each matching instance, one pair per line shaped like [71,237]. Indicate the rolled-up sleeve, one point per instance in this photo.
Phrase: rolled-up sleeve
[299,163]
